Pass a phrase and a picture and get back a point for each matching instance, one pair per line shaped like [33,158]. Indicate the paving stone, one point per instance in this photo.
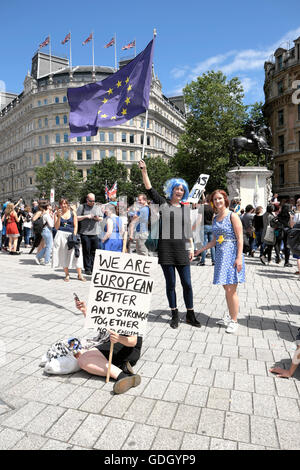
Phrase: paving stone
[211,422]
[222,444]
[288,409]
[187,418]
[238,365]
[196,347]
[265,385]
[185,358]
[149,369]
[237,427]
[168,357]
[219,399]
[117,406]
[155,389]
[52,444]
[90,430]
[167,440]
[23,416]
[139,410]
[264,405]
[224,380]
[196,395]
[9,438]
[194,441]
[220,363]
[96,402]
[257,368]
[77,398]
[250,447]
[44,420]
[264,355]
[263,431]
[185,374]
[286,388]
[112,440]
[30,442]
[141,437]
[241,402]
[202,361]
[213,349]
[62,429]
[204,377]
[289,435]
[151,354]
[244,382]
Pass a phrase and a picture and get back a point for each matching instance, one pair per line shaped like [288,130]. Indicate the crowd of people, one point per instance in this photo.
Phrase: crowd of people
[67,237]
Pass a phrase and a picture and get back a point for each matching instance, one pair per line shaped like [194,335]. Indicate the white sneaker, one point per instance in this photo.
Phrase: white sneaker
[37,260]
[224,321]
[232,327]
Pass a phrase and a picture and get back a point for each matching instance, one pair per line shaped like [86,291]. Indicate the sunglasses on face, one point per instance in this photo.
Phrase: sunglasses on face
[91,200]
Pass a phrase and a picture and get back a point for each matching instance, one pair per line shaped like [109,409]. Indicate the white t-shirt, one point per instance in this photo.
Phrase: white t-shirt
[297,217]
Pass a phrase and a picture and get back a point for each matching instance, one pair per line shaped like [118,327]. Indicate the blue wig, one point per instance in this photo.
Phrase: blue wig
[173,183]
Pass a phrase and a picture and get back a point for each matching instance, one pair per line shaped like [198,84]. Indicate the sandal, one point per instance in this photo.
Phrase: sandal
[81,278]
[67,278]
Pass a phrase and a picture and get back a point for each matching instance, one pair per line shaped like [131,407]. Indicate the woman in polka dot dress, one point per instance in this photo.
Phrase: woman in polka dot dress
[229,264]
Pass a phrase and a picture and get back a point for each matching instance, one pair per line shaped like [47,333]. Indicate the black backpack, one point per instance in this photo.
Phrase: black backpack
[293,239]
[37,226]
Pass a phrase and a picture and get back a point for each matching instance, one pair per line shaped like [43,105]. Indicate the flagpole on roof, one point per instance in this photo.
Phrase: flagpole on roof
[134,47]
[146,116]
[93,51]
[50,53]
[70,52]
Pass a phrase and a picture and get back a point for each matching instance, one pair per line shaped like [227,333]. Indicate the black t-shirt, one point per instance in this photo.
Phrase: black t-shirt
[208,214]
[175,231]
[258,223]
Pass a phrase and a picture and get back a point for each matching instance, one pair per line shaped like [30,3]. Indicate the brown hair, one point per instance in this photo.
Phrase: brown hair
[223,193]
[9,208]
[62,199]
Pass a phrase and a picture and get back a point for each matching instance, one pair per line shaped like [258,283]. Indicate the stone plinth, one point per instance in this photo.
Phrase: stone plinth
[251,184]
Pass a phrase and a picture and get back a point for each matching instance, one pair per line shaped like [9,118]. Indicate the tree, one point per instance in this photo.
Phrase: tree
[216,115]
[63,176]
[108,170]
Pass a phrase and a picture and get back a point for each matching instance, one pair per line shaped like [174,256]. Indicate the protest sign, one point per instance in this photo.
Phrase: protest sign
[120,293]
[198,189]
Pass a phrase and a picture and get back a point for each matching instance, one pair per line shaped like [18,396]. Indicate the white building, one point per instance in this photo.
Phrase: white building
[34,127]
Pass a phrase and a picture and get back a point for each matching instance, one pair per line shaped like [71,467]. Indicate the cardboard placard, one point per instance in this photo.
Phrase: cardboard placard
[120,293]
[198,189]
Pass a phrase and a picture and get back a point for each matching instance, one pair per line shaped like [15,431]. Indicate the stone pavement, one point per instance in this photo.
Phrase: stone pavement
[201,388]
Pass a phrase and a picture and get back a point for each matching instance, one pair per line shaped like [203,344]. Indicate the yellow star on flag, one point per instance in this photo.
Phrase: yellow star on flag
[127,80]
[129,88]
[119,84]
[114,117]
[105,100]
[110,91]
[127,101]
[124,111]
[99,111]
[104,115]
[221,239]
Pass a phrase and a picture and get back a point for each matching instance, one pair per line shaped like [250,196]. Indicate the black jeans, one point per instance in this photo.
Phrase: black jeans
[89,246]
[185,278]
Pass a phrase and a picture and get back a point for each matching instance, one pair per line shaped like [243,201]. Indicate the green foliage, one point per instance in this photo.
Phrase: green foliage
[216,115]
[158,170]
[63,176]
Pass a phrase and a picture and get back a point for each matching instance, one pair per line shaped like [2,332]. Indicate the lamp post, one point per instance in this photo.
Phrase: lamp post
[12,166]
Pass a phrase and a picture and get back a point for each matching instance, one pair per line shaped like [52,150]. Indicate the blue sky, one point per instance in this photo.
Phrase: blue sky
[193,36]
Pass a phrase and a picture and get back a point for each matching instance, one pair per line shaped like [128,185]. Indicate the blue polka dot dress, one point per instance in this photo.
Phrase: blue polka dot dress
[226,253]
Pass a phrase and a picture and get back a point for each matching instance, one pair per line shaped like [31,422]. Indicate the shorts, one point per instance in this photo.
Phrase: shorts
[121,354]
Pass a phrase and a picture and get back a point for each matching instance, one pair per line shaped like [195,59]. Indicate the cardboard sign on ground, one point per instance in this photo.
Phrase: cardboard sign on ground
[120,293]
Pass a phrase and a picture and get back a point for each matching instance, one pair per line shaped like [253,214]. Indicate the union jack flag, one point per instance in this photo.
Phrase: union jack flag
[45,43]
[67,38]
[129,46]
[110,43]
[113,190]
[88,39]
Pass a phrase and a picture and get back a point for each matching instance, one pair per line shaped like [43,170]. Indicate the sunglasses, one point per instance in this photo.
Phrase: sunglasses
[91,200]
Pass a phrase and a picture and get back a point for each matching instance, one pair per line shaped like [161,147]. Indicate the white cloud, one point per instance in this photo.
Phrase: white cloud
[235,62]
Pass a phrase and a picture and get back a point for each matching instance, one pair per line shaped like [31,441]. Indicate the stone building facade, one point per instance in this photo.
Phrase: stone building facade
[34,127]
[282,107]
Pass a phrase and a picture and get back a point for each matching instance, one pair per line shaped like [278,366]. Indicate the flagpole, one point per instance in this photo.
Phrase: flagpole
[70,52]
[146,117]
[50,53]
[93,51]
[115,52]
[134,47]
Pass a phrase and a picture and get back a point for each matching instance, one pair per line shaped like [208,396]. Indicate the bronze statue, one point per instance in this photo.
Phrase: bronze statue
[255,141]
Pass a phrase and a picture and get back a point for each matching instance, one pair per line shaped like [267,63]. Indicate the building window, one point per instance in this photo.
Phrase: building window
[66,138]
[46,139]
[66,155]
[47,157]
[41,159]
[111,153]
[123,137]
[79,154]
[102,137]
[280,118]
[45,101]
[40,140]
[279,62]
[89,155]
[281,174]
[46,122]
[39,103]
[56,99]
[79,139]
[57,120]
[40,123]
[30,180]
[124,155]
[281,144]
[131,122]
[148,140]
[88,139]
[57,138]
[131,138]
[111,137]
[65,119]
[280,87]
[131,156]
[102,154]
[64,99]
